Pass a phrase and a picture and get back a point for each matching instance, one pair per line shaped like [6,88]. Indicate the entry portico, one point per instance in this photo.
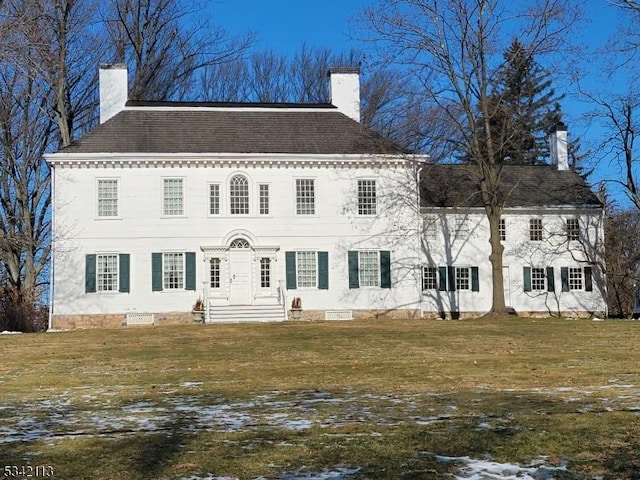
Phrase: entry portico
[242,273]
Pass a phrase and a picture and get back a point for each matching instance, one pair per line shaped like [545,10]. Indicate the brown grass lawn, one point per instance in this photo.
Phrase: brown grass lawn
[385,398]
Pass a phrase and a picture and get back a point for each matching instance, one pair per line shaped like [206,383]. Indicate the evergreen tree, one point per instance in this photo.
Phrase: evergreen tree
[525,109]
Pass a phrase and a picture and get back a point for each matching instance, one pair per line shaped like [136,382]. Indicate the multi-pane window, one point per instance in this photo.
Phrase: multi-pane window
[264,199]
[573,229]
[173,197]
[107,273]
[575,279]
[214,273]
[462,224]
[538,277]
[430,227]
[367,197]
[535,229]
[429,278]
[173,271]
[502,229]
[306,269]
[305,196]
[239,195]
[214,199]
[108,198]
[265,272]
[369,269]
[462,278]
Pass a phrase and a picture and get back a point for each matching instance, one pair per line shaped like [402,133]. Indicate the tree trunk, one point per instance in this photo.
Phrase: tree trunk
[498,306]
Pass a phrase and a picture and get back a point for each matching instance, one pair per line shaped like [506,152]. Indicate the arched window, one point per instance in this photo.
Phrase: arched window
[239,243]
[239,195]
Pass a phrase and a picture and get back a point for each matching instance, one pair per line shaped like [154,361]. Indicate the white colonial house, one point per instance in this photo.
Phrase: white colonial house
[253,207]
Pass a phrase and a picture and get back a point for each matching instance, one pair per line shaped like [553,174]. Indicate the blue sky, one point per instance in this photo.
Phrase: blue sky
[284,25]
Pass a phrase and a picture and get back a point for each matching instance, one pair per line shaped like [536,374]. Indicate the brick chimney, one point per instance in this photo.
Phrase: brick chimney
[558,146]
[113,90]
[345,90]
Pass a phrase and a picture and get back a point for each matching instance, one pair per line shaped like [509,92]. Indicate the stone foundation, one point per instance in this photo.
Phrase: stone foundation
[116,320]
[315,315]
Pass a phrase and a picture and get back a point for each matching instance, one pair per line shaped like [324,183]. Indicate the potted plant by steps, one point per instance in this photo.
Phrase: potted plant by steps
[198,311]
[296,308]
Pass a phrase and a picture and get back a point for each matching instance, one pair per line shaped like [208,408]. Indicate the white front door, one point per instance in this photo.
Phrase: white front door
[240,276]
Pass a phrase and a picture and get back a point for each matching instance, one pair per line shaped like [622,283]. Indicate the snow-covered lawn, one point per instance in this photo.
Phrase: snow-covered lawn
[52,420]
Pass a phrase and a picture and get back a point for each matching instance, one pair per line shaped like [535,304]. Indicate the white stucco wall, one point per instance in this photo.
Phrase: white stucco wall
[141,229]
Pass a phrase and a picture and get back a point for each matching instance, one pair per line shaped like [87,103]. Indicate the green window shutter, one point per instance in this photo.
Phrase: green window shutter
[123,272]
[385,269]
[475,280]
[551,281]
[564,276]
[354,280]
[290,269]
[90,274]
[190,270]
[588,279]
[156,272]
[451,274]
[442,279]
[323,270]
[526,278]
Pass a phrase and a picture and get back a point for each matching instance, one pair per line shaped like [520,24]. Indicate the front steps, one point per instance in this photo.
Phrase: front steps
[246,313]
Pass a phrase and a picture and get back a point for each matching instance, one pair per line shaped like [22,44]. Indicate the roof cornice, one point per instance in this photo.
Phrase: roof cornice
[200,160]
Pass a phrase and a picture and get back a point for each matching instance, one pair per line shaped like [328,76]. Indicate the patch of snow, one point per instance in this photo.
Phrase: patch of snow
[7,332]
[471,469]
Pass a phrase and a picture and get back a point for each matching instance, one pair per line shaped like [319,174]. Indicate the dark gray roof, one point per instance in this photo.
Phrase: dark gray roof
[288,128]
[521,186]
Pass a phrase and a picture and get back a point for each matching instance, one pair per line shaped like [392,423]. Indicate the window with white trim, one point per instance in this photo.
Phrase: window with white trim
[305,196]
[263,190]
[239,195]
[535,229]
[108,197]
[538,278]
[265,272]
[429,278]
[306,269]
[369,268]
[173,197]
[214,273]
[107,273]
[214,199]
[367,201]
[575,279]
[173,270]
[573,229]
[463,278]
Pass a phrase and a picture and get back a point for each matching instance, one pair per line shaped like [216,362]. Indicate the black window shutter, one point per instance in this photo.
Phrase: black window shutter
[526,278]
[156,272]
[451,274]
[190,270]
[588,279]
[475,280]
[124,268]
[564,276]
[354,280]
[290,269]
[442,279]
[551,281]
[90,274]
[323,270]
[385,269]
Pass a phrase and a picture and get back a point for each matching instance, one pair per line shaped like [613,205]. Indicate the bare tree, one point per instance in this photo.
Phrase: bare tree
[453,49]
[166,43]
